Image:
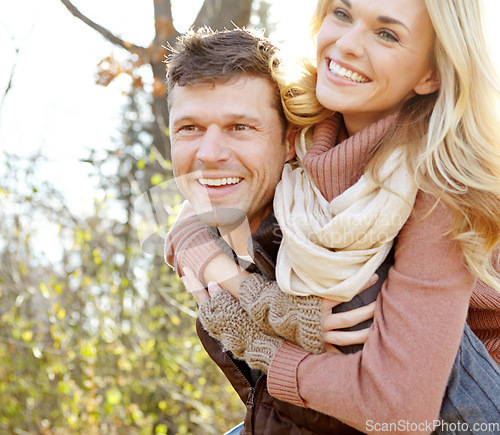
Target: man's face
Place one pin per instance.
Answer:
(228, 149)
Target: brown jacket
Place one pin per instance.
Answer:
(267, 415)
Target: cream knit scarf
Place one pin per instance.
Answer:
(332, 249)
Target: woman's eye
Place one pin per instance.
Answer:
(341, 15)
(388, 36)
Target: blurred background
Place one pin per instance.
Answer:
(97, 335)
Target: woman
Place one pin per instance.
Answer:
(381, 64)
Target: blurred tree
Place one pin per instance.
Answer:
(95, 336)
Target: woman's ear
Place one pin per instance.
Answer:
(429, 83)
(291, 132)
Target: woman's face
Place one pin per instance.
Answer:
(372, 56)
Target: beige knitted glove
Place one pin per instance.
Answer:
(295, 318)
(225, 320)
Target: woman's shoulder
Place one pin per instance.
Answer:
(429, 207)
(423, 246)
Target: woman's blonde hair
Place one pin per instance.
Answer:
(451, 137)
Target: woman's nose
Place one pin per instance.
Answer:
(352, 41)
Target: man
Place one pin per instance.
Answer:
(228, 135)
(228, 130)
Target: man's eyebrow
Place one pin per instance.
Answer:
(241, 117)
(182, 119)
(230, 117)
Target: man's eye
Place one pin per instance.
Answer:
(241, 127)
(187, 128)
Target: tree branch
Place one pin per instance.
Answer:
(224, 14)
(17, 49)
(164, 23)
(104, 32)
(9, 84)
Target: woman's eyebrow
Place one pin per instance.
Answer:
(389, 20)
(382, 18)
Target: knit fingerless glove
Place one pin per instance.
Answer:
(225, 320)
(189, 244)
(295, 318)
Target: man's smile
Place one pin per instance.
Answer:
(219, 181)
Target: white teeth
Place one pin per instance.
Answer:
(346, 74)
(219, 181)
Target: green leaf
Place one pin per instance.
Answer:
(161, 429)
(113, 396)
(156, 179)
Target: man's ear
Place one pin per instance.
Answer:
(430, 83)
(291, 132)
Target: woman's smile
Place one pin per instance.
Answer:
(345, 73)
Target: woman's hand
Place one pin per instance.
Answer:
(295, 318)
(224, 319)
(334, 323)
(330, 322)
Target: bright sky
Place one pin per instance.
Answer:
(54, 104)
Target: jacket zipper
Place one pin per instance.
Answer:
(250, 404)
(253, 393)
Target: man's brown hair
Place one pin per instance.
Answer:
(207, 56)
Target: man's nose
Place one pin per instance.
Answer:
(352, 41)
(212, 147)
